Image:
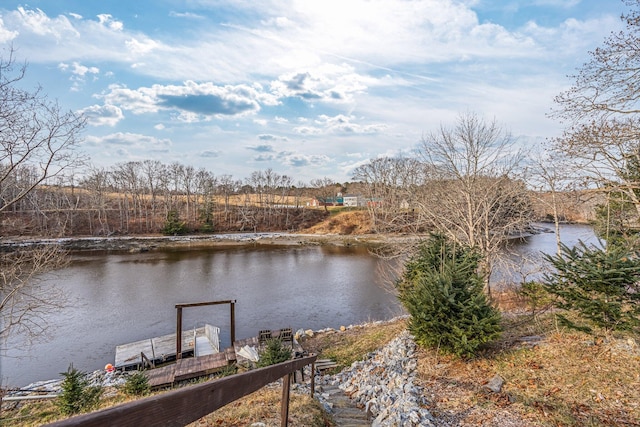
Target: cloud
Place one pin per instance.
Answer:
(108, 21)
(301, 160)
(264, 148)
(129, 140)
(187, 15)
(343, 124)
(210, 153)
(269, 137)
(102, 115)
(5, 34)
(328, 83)
(195, 101)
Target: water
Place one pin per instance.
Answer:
(127, 297)
(120, 298)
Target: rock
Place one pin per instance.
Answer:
(384, 384)
(495, 384)
(343, 328)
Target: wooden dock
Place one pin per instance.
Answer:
(188, 368)
(202, 340)
(193, 367)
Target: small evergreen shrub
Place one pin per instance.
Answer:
(137, 384)
(274, 352)
(601, 286)
(77, 395)
(535, 296)
(173, 226)
(443, 293)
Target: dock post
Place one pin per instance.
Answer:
(233, 321)
(178, 332)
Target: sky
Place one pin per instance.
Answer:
(307, 88)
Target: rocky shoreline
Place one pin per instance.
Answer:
(149, 243)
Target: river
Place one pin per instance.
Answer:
(120, 298)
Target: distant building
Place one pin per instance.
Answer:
(352, 200)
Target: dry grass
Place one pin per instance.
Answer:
(345, 347)
(343, 222)
(569, 379)
(264, 406)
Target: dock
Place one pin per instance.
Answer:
(199, 341)
(197, 364)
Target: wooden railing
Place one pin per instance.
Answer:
(186, 405)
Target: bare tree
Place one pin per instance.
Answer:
(473, 194)
(324, 190)
(602, 113)
(392, 188)
(35, 135)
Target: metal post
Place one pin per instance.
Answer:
(179, 333)
(284, 405)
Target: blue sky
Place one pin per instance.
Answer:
(307, 88)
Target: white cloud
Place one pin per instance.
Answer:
(102, 115)
(132, 141)
(5, 34)
(108, 21)
(193, 101)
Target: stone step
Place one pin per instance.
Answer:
(345, 412)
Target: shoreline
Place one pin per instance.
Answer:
(150, 243)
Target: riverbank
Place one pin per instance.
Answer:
(150, 243)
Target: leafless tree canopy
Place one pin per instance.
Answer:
(601, 112)
(464, 182)
(36, 144)
(474, 194)
(36, 137)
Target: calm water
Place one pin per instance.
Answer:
(128, 297)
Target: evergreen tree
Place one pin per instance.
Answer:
(600, 285)
(77, 395)
(443, 292)
(173, 225)
(274, 352)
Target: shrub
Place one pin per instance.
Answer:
(535, 297)
(600, 285)
(173, 226)
(443, 293)
(274, 352)
(77, 395)
(136, 384)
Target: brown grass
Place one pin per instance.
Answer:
(569, 379)
(264, 406)
(343, 222)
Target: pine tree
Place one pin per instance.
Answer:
(443, 293)
(600, 285)
(77, 395)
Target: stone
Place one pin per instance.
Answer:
(495, 384)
